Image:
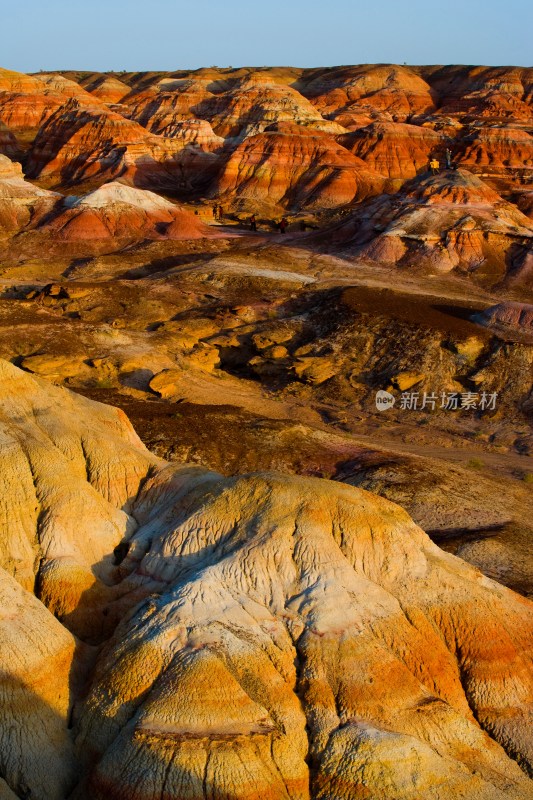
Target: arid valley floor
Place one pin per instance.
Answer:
(225, 573)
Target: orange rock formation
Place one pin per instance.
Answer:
(274, 637)
(119, 212)
(451, 221)
(205, 132)
(297, 167)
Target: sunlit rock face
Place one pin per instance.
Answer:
(91, 144)
(497, 149)
(199, 133)
(37, 672)
(451, 221)
(393, 92)
(493, 93)
(296, 166)
(63, 516)
(246, 107)
(161, 105)
(79, 143)
(116, 211)
(27, 101)
(215, 629)
(108, 89)
(264, 635)
(396, 150)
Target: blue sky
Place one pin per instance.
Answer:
(174, 34)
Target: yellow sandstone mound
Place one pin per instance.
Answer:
(271, 636)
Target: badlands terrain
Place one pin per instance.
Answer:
(262, 585)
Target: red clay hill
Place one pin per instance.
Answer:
(206, 131)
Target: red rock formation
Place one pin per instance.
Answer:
(25, 113)
(493, 93)
(197, 132)
(246, 107)
(193, 121)
(258, 102)
(18, 82)
(440, 223)
(26, 101)
(82, 144)
(108, 89)
(79, 143)
(170, 114)
(119, 212)
(386, 92)
(58, 84)
(457, 187)
(494, 150)
(161, 106)
(294, 166)
(508, 314)
(393, 149)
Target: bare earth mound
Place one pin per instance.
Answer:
(277, 637)
(439, 224)
(116, 211)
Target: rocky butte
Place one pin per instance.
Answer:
(225, 573)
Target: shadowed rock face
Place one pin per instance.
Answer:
(275, 637)
(8, 142)
(525, 203)
(22, 205)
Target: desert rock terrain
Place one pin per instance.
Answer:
(226, 571)
(169, 631)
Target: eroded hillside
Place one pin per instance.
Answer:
(246, 262)
(170, 632)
